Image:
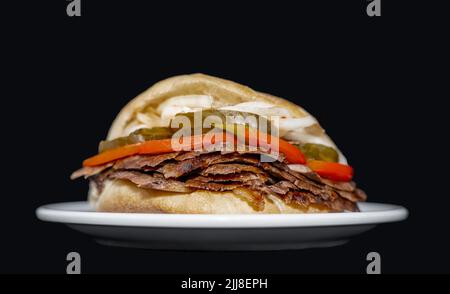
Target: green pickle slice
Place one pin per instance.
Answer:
(140, 135)
(217, 118)
(237, 117)
(318, 152)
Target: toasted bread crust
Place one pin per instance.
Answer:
(123, 196)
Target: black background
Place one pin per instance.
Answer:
(377, 85)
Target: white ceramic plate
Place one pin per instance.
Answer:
(220, 232)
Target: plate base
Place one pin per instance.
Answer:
(245, 239)
(235, 247)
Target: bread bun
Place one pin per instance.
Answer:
(123, 196)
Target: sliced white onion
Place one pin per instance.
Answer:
(278, 202)
(260, 108)
(185, 103)
(192, 101)
(301, 168)
(147, 119)
(302, 136)
(295, 123)
(342, 158)
(132, 128)
(169, 112)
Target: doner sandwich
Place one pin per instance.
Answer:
(200, 144)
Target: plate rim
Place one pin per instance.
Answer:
(54, 213)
